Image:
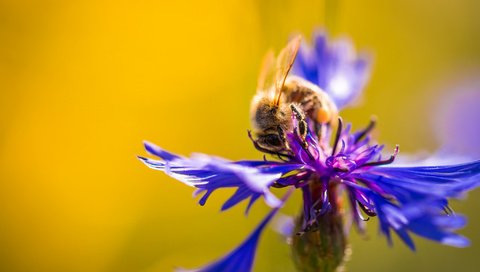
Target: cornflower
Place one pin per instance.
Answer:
(339, 165)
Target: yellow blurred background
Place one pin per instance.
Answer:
(82, 83)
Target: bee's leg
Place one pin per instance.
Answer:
(284, 157)
(302, 129)
(302, 124)
(448, 210)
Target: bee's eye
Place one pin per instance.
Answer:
(273, 140)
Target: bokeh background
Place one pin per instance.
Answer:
(83, 83)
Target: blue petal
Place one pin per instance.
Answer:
(417, 183)
(241, 194)
(459, 171)
(159, 152)
(334, 67)
(434, 228)
(424, 218)
(207, 173)
(241, 258)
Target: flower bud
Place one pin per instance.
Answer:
(323, 247)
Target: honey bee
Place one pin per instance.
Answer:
(279, 96)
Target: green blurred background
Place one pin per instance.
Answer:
(82, 83)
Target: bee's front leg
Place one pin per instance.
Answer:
(302, 128)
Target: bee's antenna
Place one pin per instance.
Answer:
(277, 101)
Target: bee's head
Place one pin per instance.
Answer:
(269, 122)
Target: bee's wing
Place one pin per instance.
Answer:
(266, 77)
(284, 63)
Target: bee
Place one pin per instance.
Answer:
(280, 96)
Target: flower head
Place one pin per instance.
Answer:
(405, 199)
(337, 164)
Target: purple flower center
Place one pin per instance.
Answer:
(349, 153)
(329, 166)
(340, 164)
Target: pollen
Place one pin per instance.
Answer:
(323, 116)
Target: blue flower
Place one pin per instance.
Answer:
(404, 199)
(334, 67)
